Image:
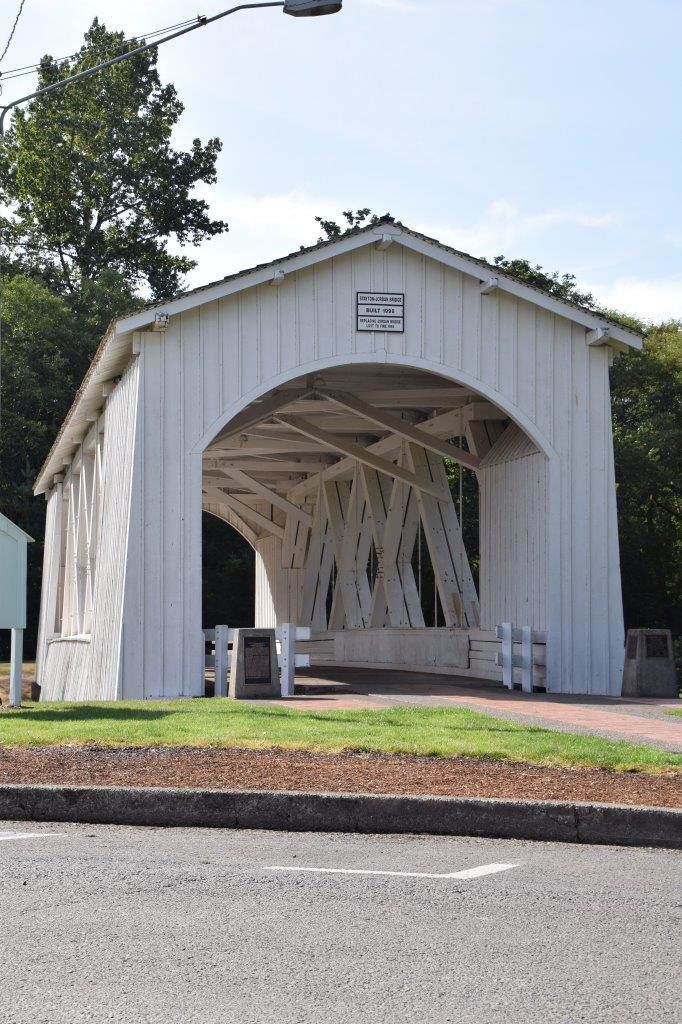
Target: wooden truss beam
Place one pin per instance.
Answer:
(273, 466)
(402, 398)
(444, 425)
(267, 446)
(295, 543)
(401, 428)
(481, 435)
(256, 487)
(351, 598)
(338, 421)
(213, 494)
(455, 583)
(394, 522)
(364, 456)
(260, 410)
(318, 571)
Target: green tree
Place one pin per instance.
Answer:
(42, 364)
(95, 198)
(93, 182)
(353, 218)
(563, 286)
(647, 430)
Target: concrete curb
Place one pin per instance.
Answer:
(345, 812)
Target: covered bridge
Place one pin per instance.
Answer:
(317, 405)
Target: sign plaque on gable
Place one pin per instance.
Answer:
(381, 311)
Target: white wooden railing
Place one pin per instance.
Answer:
(222, 637)
(507, 660)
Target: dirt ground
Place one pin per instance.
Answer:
(359, 773)
(28, 675)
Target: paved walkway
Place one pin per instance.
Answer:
(619, 718)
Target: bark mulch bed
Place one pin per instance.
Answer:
(218, 768)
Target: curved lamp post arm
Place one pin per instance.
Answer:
(297, 8)
(201, 22)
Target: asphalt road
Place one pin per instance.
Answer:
(105, 923)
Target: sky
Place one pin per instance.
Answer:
(529, 128)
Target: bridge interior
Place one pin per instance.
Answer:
(350, 486)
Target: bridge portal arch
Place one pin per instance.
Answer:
(178, 392)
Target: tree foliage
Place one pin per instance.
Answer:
(353, 218)
(42, 366)
(93, 181)
(93, 194)
(563, 286)
(647, 434)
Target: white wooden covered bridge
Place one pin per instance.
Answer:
(311, 403)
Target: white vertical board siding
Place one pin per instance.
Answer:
(213, 361)
(265, 614)
(278, 589)
(513, 531)
(66, 670)
(50, 581)
(162, 621)
(119, 449)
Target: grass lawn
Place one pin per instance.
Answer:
(440, 732)
(677, 712)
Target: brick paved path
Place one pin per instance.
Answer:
(615, 718)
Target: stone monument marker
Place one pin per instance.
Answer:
(649, 669)
(254, 671)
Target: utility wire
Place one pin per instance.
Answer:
(2, 57)
(14, 28)
(31, 69)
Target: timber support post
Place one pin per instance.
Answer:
(287, 633)
(17, 657)
(222, 660)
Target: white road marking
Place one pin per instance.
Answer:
(28, 835)
(485, 869)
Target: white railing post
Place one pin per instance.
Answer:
(505, 633)
(222, 637)
(526, 659)
(16, 664)
(508, 661)
(287, 633)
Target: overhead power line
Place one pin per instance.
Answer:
(30, 69)
(14, 28)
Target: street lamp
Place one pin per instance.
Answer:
(296, 8)
(310, 8)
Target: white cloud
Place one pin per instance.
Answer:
(262, 228)
(648, 298)
(504, 226)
